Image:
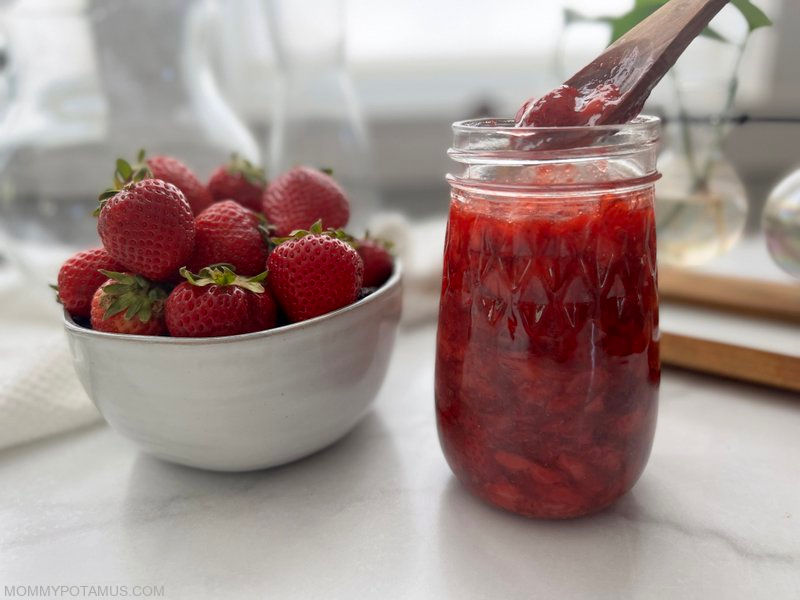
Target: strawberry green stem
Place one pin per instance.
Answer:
(222, 274)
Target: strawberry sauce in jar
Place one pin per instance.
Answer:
(547, 366)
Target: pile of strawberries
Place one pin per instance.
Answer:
(237, 255)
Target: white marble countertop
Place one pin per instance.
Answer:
(715, 515)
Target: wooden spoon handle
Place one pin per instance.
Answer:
(638, 60)
(670, 30)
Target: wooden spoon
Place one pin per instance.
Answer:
(638, 60)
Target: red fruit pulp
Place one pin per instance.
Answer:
(567, 106)
(547, 364)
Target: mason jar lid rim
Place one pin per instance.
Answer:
(640, 123)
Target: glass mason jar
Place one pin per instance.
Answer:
(547, 364)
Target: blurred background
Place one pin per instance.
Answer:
(369, 88)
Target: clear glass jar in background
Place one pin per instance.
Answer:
(781, 223)
(547, 364)
(89, 82)
(317, 119)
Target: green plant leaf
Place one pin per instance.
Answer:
(620, 25)
(713, 34)
(625, 22)
(754, 16)
(573, 16)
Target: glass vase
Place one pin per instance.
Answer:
(90, 82)
(781, 223)
(701, 203)
(317, 120)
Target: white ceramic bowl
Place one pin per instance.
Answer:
(242, 402)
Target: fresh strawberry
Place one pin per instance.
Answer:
(239, 180)
(226, 232)
(218, 302)
(302, 196)
(378, 261)
(169, 170)
(79, 278)
(313, 273)
(182, 177)
(147, 226)
(128, 303)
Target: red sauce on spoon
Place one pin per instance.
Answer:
(567, 106)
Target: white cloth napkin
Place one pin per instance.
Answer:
(40, 395)
(419, 246)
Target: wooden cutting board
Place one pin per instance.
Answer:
(740, 328)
